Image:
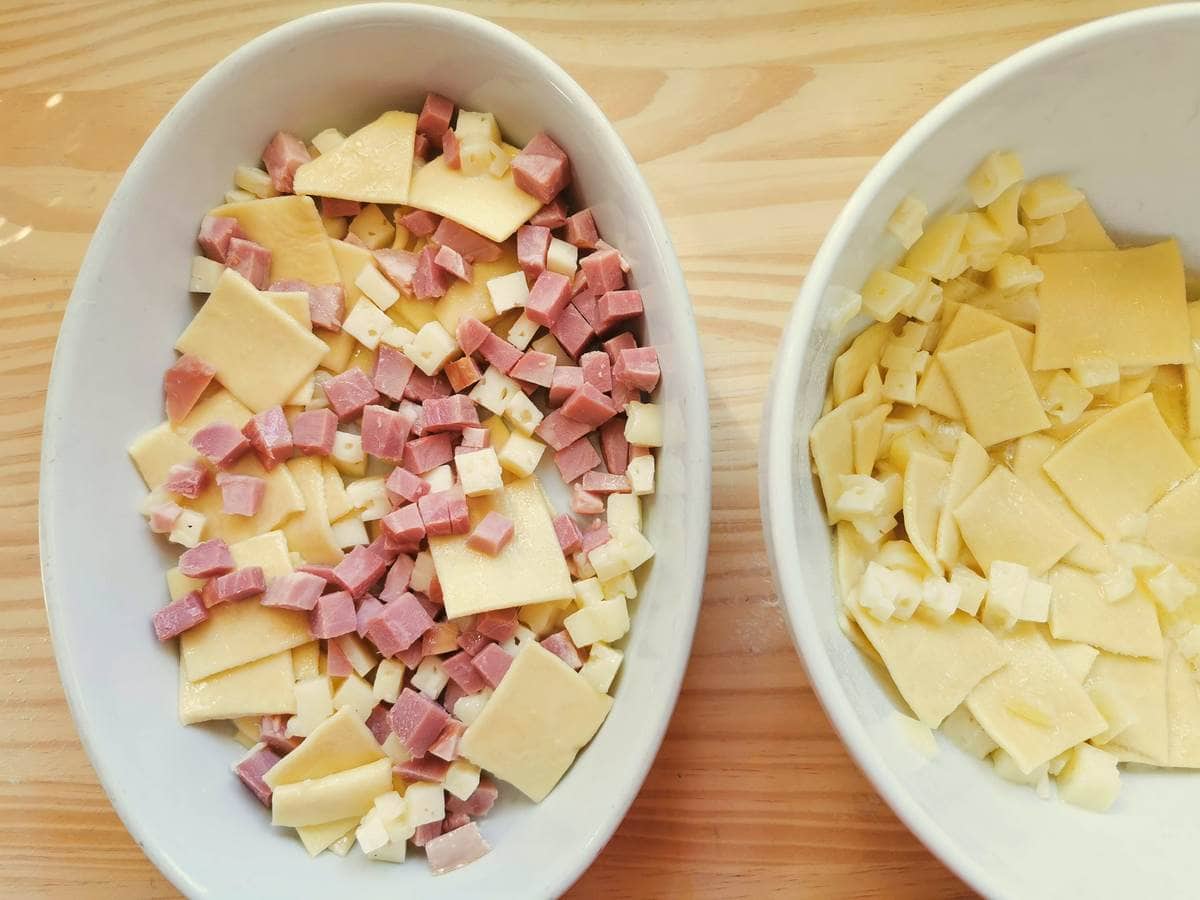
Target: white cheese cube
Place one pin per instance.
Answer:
(522, 414)
(1065, 399)
(493, 390)
(1096, 371)
(844, 304)
(520, 454)
(238, 196)
(900, 386)
(500, 162)
(188, 529)
(367, 324)
(607, 621)
(973, 587)
(461, 779)
(1013, 272)
(388, 678)
(1117, 584)
(329, 139)
(885, 293)
(519, 638)
(874, 528)
(966, 733)
(939, 598)
(877, 591)
(347, 450)
(349, 532)
(582, 568)
(588, 592)
(995, 175)
(422, 573)
(432, 348)
(601, 667)
(861, 495)
(319, 400)
(907, 221)
(621, 586)
(395, 749)
(640, 473)
(376, 288)
(1090, 779)
(314, 704)
(481, 126)
(1137, 556)
(369, 496)
(357, 695)
(523, 330)
(1170, 588)
(467, 709)
(205, 273)
(909, 593)
(1007, 583)
(439, 478)
(430, 678)
(395, 851)
(389, 807)
(371, 835)
(928, 302)
(479, 472)
(608, 561)
(425, 803)
(643, 424)
(398, 337)
(1036, 605)
(508, 292)
(562, 257)
(254, 181)
(475, 157)
(362, 655)
(624, 511)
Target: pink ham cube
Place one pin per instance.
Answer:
(451, 150)
(542, 169)
(295, 590)
(435, 116)
(176, 618)
(462, 373)
(566, 380)
(215, 234)
(535, 367)
(404, 524)
(473, 641)
(349, 393)
(533, 243)
(314, 431)
(452, 262)
(321, 571)
(613, 446)
(597, 370)
(400, 625)
(251, 770)
(638, 368)
(596, 536)
(427, 453)
(337, 664)
(398, 578)
(453, 413)
(368, 609)
(241, 495)
(386, 549)
(456, 848)
(270, 437)
(183, 384)
(615, 307)
(378, 723)
(187, 479)
(604, 272)
(240, 584)
(589, 406)
(207, 560)
(492, 534)
(604, 483)
(403, 485)
(479, 803)
(473, 247)
(568, 534)
(460, 514)
(417, 721)
(462, 673)
(282, 157)
(392, 372)
(336, 208)
(585, 503)
(435, 513)
(584, 302)
(429, 280)
(384, 432)
(549, 296)
(421, 386)
(420, 223)
(411, 658)
(332, 616)
(581, 230)
(424, 768)
(358, 570)
(446, 746)
(430, 830)
(471, 333)
(572, 330)
(250, 260)
(163, 517)
(221, 444)
(498, 624)
(326, 302)
(560, 645)
(576, 459)
(552, 215)
(499, 353)
(622, 395)
(492, 662)
(559, 431)
(614, 345)
(398, 267)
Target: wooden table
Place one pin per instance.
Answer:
(753, 122)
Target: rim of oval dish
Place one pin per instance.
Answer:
(555, 880)
(779, 437)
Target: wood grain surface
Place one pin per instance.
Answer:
(753, 121)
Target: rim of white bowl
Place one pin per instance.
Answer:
(779, 435)
(699, 482)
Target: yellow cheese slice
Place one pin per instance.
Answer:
(494, 207)
(924, 482)
(1033, 678)
(1173, 527)
(281, 499)
(933, 665)
(373, 165)
(1127, 305)
(530, 568)
(993, 388)
(831, 442)
(968, 469)
(971, 324)
(219, 406)
(536, 722)
(337, 502)
(1191, 394)
(851, 554)
(261, 355)
(471, 298)
(180, 585)
(1120, 465)
(155, 451)
(317, 838)
(414, 313)
(851, 367)
(867, 435)
(290, 227)
(934, 392)
(1003, 520)
(1084, 232)
(260, 688)
(1183, 714)
(1076, 658)
(339, 743)
(294, 303)
(1142, 685)
(1079, 612)
(308, 532)
(337, 796)
(1029, 455)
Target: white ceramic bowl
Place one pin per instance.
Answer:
(1114, 105)
(102, 570)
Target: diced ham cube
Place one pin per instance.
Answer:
(549, 296)
(430, 830)
(613, 446)
(597, 370)
(498, 624)
(473, 641)
(451, 149)
(314, 431)
(368, 609)
(453, 413)
(455, 820)
(594, 537)
(623, 394)
(424, 768)
(349, 393)
(492, 534)
(533, 243)
(326, 302)
(581, 230)
(585, 503)
(187, 479)
(421, 387)
(499, 353)
(572, 330)
(589, 406)
(585, 304)
(560, 645)
(420, 223)
(282, 157)
(552, 215)
(358, 570)
(462, 373)
(384, 432)
(614, 345)
(400, 625)
(411, 658)
(240, 584)
(398, 266)
(435, 116)
(404, 485)
(441, 638)
(404, 524)
(392, 372)
(270, 437)
(215, 234)
(429, 280)
(446, 746)
(272, 731)
(250, 260)
(423, 146)
(460, 513)
(566, 380)
(337, 664)
(604, 483)
(604, 245)
(479, 803)
(321, 571)
(452, 262)
(221, 444)
(295, 590)
(207, 560)
(638, 368)
(435, 513)
(183, 384)
(462, 673)
(386, 549)
(615, 307)
(576, 459)
(417, 721)
(541, 169)
(332, 616)
(336, 208)
(163, 517)
(471, 333)
(603, 271)
(559, 431)
(241, 495)
(535, 367)
(456, 848)
(492, 662)
(176, 618)
(377, 721)
(428, 453)
(473, 247)
(399, 577)
(568, 534)
(251, 770)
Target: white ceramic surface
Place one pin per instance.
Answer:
(1114, 105)
(103, 571)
